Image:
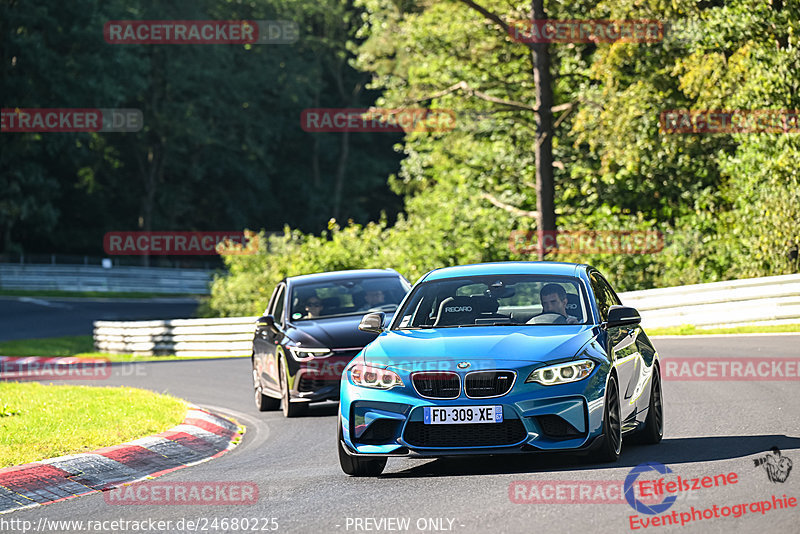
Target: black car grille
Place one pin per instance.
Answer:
(308, 383)
(437, 385)
(346, 353)
(556, 427)
(488, 383)
(509, 432)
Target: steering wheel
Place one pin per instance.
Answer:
(383, 308)
(548, 318)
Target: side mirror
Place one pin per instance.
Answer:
(622, 316)
(372, 322)
(268, 321)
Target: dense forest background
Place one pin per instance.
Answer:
(222, 146)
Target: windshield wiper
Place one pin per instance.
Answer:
(489, 324)
(426, 326)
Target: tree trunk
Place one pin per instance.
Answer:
(341, 172)
(543, 151)
(315, 172)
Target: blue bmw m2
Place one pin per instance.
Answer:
(500, 358)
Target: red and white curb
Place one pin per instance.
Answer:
(201, 437)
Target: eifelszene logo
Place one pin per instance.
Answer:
(630, 496)
(777, 466)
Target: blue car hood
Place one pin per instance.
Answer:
(484, 347)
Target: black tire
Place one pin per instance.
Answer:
(653, 429)
(264, 403)
(355, 466)
(290, 409)
(611, 443)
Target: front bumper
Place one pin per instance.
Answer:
(566, 417)
(318, 379)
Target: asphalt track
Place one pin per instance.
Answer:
(37, 317)
(712, 428)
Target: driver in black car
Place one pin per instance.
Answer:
(373, 298)
(313, 307)
(554, 300)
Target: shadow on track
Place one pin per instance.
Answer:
(669, 451)
(323, 409)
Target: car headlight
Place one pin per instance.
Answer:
(561, 373)
(306, 354)
(373, 377)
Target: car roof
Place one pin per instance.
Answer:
(508, 267)
(343, 275)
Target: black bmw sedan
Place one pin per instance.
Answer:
(309, 332)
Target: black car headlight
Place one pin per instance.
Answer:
(305, 354)
(561, 373)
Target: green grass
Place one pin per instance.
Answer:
(43, 421)
(691, 330)
(89, 294)
(78, 346)
(49, 346)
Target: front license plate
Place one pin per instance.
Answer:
(463, 414)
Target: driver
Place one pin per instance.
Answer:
(373, 298)
(554, 300)
(313, 307)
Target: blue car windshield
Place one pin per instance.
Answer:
(495, 300)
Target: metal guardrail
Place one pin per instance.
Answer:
(232, 336)
(97, 278)
(771, 300)
(759, 301)
(165, 262)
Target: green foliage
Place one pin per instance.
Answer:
(727, 204)
(246, 289)
(221, 148)
(7, 410)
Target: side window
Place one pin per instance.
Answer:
(601, 295)
(271, 303)
(612, 296)
(277, 310)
